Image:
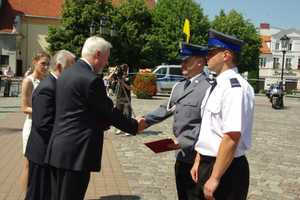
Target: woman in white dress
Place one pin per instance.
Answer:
(40, 61)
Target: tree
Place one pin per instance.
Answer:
(235, 25)
(167, 30)
(133, 19)
(77, 15)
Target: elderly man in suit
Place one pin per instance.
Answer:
(185, 104)
(82, 108)
(43, 115)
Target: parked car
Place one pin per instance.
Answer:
(167, 76)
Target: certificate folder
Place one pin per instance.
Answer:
(158, 146)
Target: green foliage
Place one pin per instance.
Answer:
(133, 19)
(255, 84)
(148, 37)
(77, 15)
(234, 24)
(263, 91)
(289, 92)
(167, 30)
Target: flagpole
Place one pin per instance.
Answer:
(186, 28)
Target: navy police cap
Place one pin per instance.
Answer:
(188, 50)
(218, 40)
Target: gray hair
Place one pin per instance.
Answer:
(94, 43)
(60, 57)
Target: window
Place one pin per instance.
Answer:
(161, 73)
(298, 63)
(175, 71)
(288, 63)
(277, 46)
(289, 47)
(275, 63)
(4, 60)
(262, 62)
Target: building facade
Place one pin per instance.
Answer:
(23, 29)
(271, 58)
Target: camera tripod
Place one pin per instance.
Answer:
(120, 86)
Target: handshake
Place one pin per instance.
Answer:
(142, 123)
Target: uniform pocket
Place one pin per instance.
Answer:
(190, 107)
(214, 107)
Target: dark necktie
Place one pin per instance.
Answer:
(187, 82)
(213, 86)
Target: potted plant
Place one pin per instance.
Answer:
(144, 85)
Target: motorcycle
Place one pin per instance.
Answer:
(276, 98)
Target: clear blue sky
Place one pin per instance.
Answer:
(282, 14)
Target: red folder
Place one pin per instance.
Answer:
(160, 145)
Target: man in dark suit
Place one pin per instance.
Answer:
(185, 105)
(43, 115)
(82, 108)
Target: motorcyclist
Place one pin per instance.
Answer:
(277, 91)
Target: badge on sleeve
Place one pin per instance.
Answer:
(234, 82)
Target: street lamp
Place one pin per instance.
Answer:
(284, 42)
(113, 30)
(92, 29)
(103, 28)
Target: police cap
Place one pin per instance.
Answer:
(188, 50)
(218, 40)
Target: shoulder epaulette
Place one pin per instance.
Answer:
(234, 82)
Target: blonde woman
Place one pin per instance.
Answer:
(40, 61)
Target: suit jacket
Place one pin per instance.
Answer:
(43, 114)
(82, 107)
(187, 115)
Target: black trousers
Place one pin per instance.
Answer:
(66, 184)
(7, 84)
(234, 183)
(184, 182)
(39, 187)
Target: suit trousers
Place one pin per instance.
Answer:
(38, 182)
(66, 184)
(234, 183)
(184, 182)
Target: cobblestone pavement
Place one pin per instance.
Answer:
(274, 157)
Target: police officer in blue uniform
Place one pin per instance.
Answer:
(221, 168)
(184, 104)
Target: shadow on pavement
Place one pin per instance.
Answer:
(11, 107)
(118, 197)
(10, 130)
(150, 132)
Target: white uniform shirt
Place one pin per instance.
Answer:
(230, 107)
(6, 72)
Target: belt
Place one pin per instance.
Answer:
(207, 158)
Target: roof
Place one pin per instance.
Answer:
(265, 49)
(39, 8)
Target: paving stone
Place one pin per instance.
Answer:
(135, 172)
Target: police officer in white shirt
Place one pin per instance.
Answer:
(221, 169)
